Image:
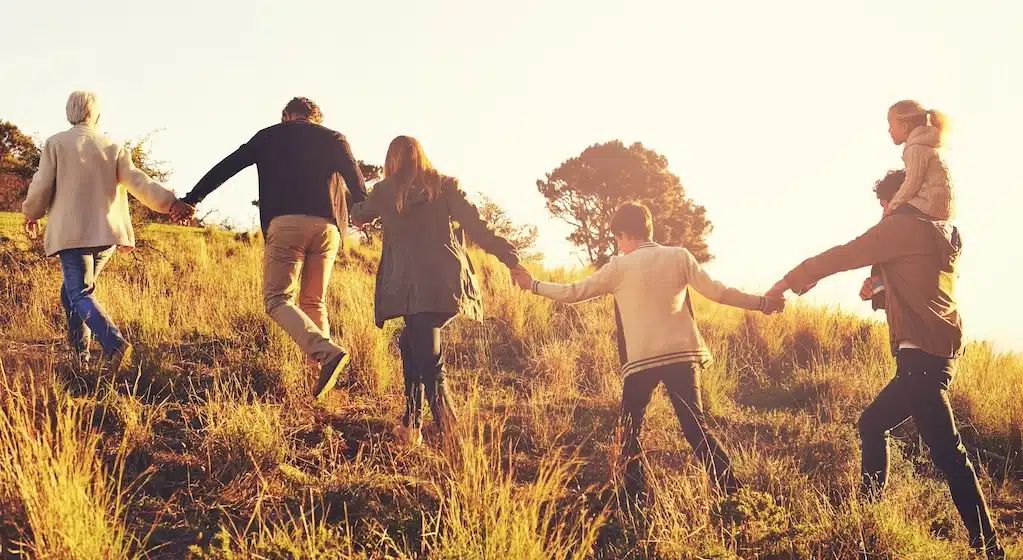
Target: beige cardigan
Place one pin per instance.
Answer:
(82, 182)
(927, 186)
(650, 286)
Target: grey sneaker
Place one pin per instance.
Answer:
(329, 374)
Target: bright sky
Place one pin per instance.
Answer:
(772, 114)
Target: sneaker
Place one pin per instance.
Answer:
(329, 374)
(120, 359)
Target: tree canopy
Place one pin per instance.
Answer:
(19, 159)
(523, 237)
(585, 191)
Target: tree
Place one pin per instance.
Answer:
(19, 159)
(522, 237)
(142, 157)
(586, 190)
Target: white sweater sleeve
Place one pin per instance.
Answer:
(604, 281)
(44, 182)
(698, 278)
(141, 186)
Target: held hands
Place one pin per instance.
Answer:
(522, 278)
(773, 305)
(776, 295)
(778, 290)
(181, 212)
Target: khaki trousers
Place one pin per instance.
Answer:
(297, 261)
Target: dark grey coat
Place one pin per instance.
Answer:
(424, 266)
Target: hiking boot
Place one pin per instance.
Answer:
(120, 359)
(329, 374)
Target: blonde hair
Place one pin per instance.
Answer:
(914, 115)
(406, 163)
(82, 108)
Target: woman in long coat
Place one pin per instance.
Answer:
(425, 275)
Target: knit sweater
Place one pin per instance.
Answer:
(927, 186)
(83, 183)
(650, 287)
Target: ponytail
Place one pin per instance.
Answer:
(913, 114)
(937, 119)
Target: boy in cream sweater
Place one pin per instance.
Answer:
(662, 344)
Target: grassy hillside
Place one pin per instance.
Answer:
(212, 449)
(10, 222)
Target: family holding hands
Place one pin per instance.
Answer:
(310, 188)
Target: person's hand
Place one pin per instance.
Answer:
(522, 278)
(181, 212)
(778, 290)
(804, 289)
(32, 228)
(773, 305)
(867, 290)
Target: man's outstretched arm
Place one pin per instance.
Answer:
(227, 168)
(879, 244)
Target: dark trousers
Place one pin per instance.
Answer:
(683, 384)
(423, 365)
(920, 391)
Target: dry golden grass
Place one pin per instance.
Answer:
(213, 450)
(52, 479)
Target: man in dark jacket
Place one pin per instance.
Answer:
(307, 180)
(918, 261)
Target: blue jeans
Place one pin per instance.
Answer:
(85, 316)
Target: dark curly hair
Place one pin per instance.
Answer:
(303, 107)
(886, 187)
(633, 219)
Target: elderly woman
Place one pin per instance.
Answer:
(82, 183)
